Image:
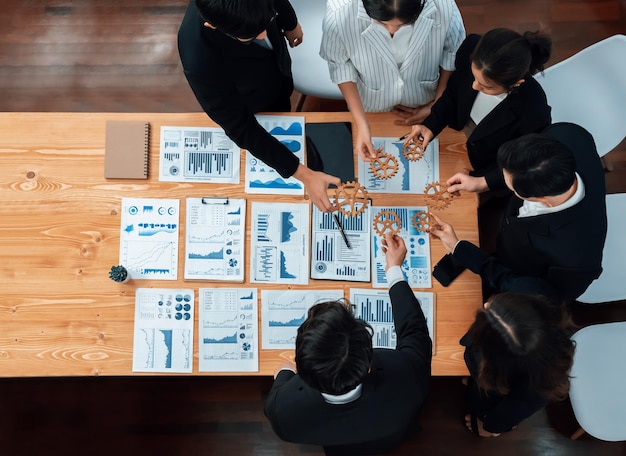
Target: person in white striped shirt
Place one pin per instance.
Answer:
(390, 55)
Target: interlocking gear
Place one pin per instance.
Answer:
(413, 151)
(387, 221)
(350, 199)
(384, 166)
(437, 197)
(421, 221)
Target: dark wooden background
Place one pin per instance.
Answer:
(121, 56)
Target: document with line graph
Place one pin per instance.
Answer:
(279, 244)
(198, 154)
(228, 330)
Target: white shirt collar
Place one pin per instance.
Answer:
(346, 398)
(532, 208)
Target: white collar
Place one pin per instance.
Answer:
(345, 398)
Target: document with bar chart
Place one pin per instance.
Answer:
(374, 306)
(260, 178)
(283, 311)
(410, 176)
(163, 336)
(149, 238)
(198, 154)
(228, 330)
(416, 266)
(279, 243)
(334, 259)
(215, 239)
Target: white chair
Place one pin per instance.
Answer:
(598, 386)
(310, 71)
(611, 285)
(589, 89)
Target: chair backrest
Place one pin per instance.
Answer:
(310, 71)
(611, 285)
(589, 89)
(597, 385)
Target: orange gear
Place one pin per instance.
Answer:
(387, 221)
(384, 166)
(350, 199)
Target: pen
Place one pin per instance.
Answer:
(402, 138)
(343, 233)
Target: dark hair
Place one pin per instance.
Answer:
(539, 165)
(523, 340)
(238, 18)
(504, 56)
(333, 348)
(385, 10)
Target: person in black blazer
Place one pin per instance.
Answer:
(344, 395)
(237, 64)
(493, 97)
(555, 225)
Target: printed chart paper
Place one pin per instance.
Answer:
(283, 311)
(279, 244)
(215, 239)
(261, 178)
(411, 176)
(149, 238)
(198, 154)
(163, 339)
(416, 266)
(229, 333)
(330, 256)
(374, 306)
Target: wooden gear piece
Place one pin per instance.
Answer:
(384, 166)
(421, 221)
(387, 221)
(437, 197)
(413, 151)
(350, 199)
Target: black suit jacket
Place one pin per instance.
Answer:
(232, 81)
(565, 247)
(392, 393)
(524, 110)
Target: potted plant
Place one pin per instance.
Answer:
(119, 274)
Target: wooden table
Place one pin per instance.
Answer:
(59, 234)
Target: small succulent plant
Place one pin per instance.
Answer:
(118, 273)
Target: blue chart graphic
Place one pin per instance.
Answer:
(224, 340)
(236, 212)
(376, 312)
(221, 320)
(246, 306)
(294, 129)
(250, 296)
(262, 225)
(326, 222)
(159, 348)
(284, 274)
(295, 304)
(279, 182)
(148, 257)
(266, 263)
(293, 322)
(324, 248)
(219, 164)
(374, 183)
(215, 255)
(150, 229)
(286, 226)
(406, 175)
(384, 337)
(292, 145)
(346, 271)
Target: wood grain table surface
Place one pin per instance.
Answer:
(59, 234)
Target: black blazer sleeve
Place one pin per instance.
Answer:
(413, 339)
(269, 409)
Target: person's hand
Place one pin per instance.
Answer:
(444, 232)
(419, 134)
(316, 185)
(462, 181)
(285, 365)
(294, 37)
(395, 250)
(411, 116)
(364, 146)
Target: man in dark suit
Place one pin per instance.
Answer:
(236, 61)
(344, 395)
(556, 226)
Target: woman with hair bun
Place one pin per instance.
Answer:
(519, 355)
(493, 97)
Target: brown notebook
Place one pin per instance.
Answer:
(126, 150)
